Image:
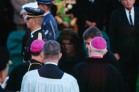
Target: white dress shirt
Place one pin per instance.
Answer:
(34, 32)
(132, 15)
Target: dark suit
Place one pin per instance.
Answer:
(15, 78)
(93, 11)
(50, 71)
(2, 90)
(125, 41)
(5, 90)
(49, 27)
(86, 10)
(110, 58)
(137, 3)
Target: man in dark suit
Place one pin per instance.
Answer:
(49, 25)
(33, 21)
(124, 35)
(49, 78)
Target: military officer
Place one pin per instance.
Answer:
(33, 21)
(49, 25)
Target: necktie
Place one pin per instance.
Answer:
(130, 19)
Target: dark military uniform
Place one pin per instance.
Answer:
(29, 38)
(26, 49)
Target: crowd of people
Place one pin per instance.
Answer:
(69, 45)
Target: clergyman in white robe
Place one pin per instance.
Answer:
(33, 82)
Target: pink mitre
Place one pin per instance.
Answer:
(37, 45)
(98, 43)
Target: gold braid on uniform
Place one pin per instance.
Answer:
(30, 64)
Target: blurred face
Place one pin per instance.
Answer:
(29, 22)
(87, 44)
(3, 74)
(24, 15)
(40, 6)
(128, 4)
(68, 47)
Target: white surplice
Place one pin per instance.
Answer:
(32, 82)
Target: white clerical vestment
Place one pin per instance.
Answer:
(33, 82)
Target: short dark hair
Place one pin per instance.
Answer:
(91, 32)
(68, 35)
(36, 53)
(51, 48)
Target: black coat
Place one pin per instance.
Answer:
(110, 59)
(97, 12)
(94, 75)
(5, 90)
(137, 3)
(66, 63)
(15, 78)
(2, 90)
(124, 38)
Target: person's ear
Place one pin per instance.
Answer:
(60, 55)
(42, 56)
(1, 74)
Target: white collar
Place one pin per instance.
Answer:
(132, 10)
(46, 13)
(132, 14)
(51, 63)
(34, 31)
